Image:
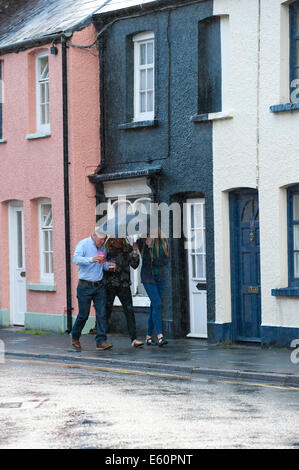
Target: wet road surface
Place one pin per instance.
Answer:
(49, 406)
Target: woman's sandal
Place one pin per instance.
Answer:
(150, 342)
(162, 341)
(136, 343)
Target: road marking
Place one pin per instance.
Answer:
(281, 387)
(156, 374)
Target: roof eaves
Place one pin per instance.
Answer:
(45, 39)
(29, 43)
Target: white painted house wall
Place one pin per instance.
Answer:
(256, 148)
(279, 163)
(234, 140)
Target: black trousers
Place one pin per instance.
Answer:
(125, 296)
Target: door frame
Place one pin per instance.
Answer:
(202, 281)
(234, 260)
(13, 205)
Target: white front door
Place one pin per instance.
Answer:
(17, 264)
(197, 268)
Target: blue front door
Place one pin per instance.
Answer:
(245, 264)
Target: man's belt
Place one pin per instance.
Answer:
(92, 283)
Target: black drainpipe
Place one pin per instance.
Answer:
(102, 107)
(66, 186)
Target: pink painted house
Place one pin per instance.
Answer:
(49, 144)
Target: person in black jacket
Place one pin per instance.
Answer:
(155, 256)
(118, 282)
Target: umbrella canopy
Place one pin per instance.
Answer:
(126, 225)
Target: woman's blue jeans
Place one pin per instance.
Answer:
(154, 291)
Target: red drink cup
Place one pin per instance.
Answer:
(102, 255)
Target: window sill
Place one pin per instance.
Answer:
(212, 116)
(281, 108)
(41, 287)
(286, 292)
(139, 124)
(138, 301)
(38, 135)
(3, 141)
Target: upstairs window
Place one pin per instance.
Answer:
(294, 45)
(42, 93)
(46, 245)
(293, 238)
(144, 76)
(209, 66)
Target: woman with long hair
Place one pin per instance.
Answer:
(117, 281)
(155, 256)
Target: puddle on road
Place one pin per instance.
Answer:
(14, 341)
(24, 405)
(242, 363)
(11, 405)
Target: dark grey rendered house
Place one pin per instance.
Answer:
(160, 77)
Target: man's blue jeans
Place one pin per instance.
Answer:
(85, 294)
(154, 291)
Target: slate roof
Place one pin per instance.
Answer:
(22, 20)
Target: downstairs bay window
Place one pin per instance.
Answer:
(132, 206)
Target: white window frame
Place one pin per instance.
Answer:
(41, 127)
(47, 278)
(139, 40)
(194, 250)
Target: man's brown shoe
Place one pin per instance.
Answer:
(76, 344)
(102, 346)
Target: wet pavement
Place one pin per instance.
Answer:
(188, 355)
(46, 405)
